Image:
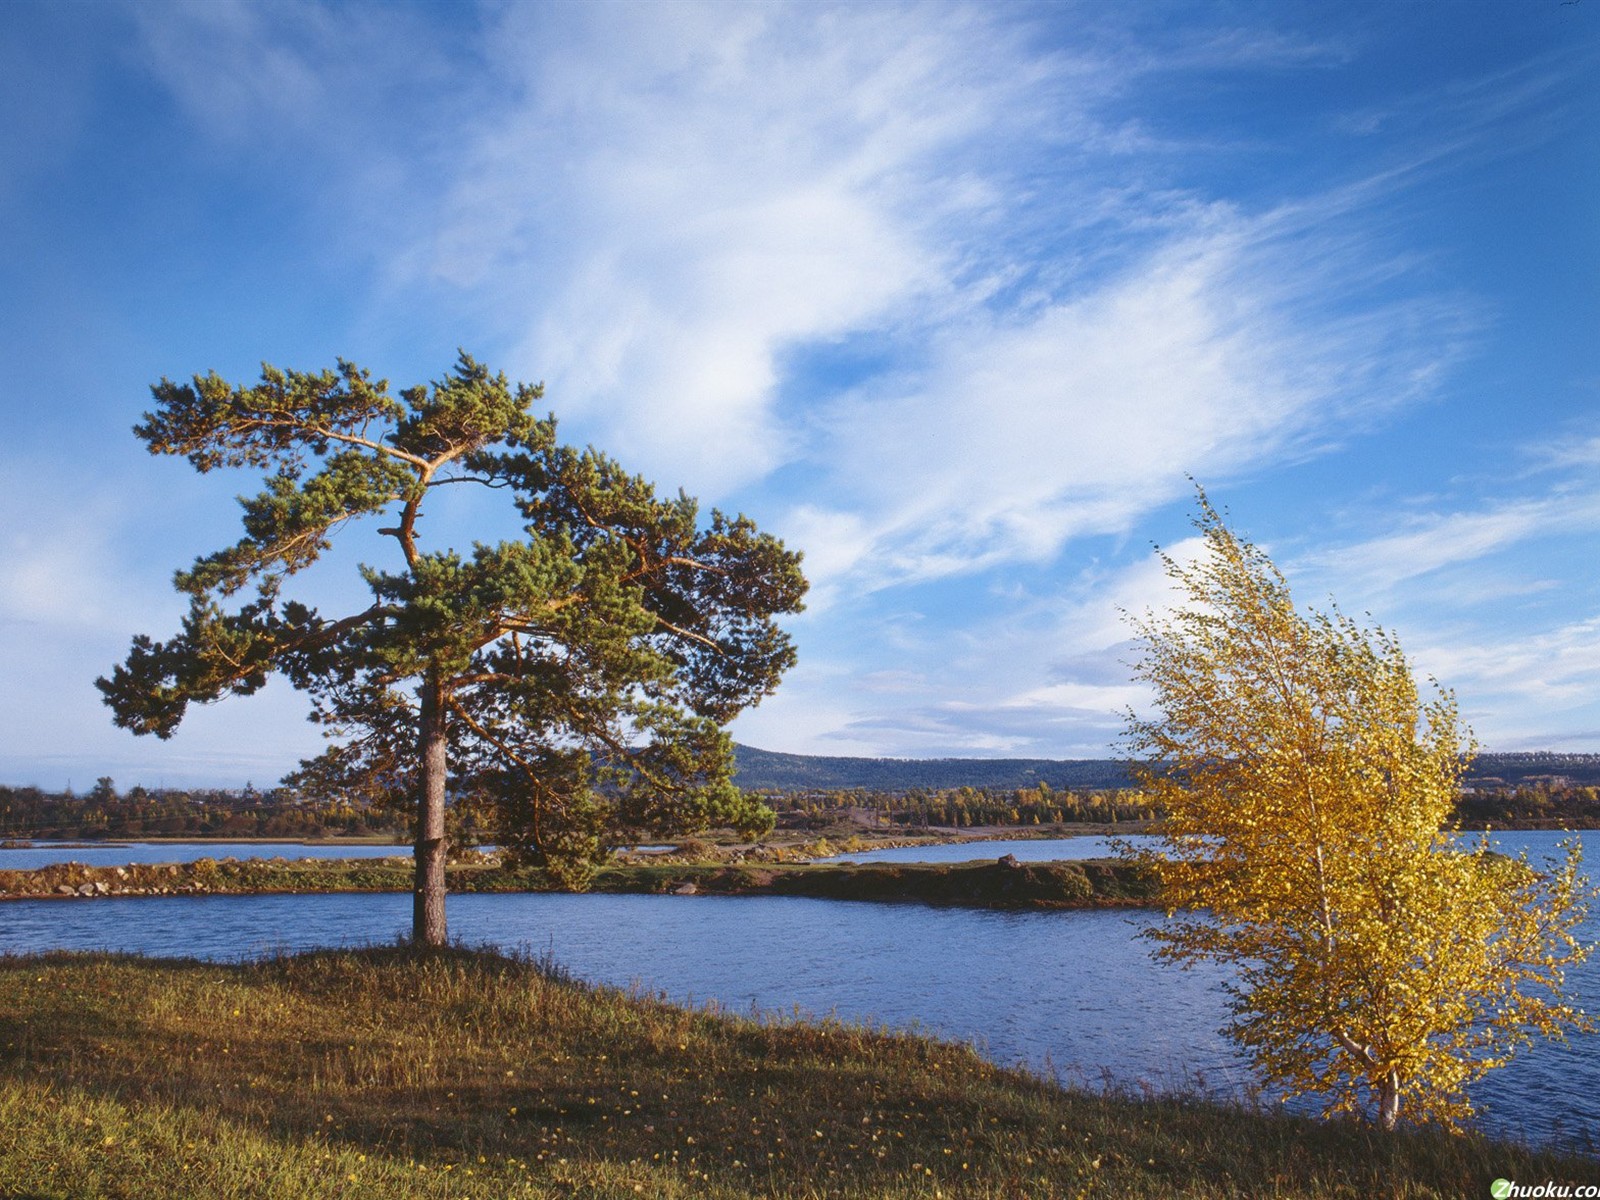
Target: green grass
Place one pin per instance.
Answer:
(390, 1073)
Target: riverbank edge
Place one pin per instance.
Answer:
(878, 838)
(474, 1074)
(1004, 883)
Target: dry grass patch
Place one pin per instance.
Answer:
(393, 1073)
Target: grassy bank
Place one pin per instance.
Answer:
(389, 1074)
(1094, 883)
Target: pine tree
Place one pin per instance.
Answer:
(573, 684)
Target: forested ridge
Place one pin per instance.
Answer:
(1532, 790)
(767, 770)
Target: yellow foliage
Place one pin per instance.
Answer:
(1308, 789)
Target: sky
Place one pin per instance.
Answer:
(958, 299)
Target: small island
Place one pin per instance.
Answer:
(1003, 883)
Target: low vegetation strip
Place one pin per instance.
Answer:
(392, 1073)
(996, 884)
(1003, 884)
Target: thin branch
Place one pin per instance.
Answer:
(690, 634)
(463, 681)
(333, 435)
(479, 479)
(473, 724)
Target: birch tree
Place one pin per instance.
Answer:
(1307, 785)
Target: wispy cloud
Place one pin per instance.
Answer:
(656, 206)
(1028, 430)
(1519, 690)
(1494, 598)
(237, 69)
(1060, 327)
(680, 194)
(74, 590)
(1044, 674)
(937, 290)
(1434, 541)
(1576, 449)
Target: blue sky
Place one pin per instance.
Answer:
(953, 297)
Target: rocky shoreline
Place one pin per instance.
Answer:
(1005, 883)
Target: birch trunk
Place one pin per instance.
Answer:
(1389, 1101)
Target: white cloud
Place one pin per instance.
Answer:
(1574, 450)
(236, 68)
(1079, 418)
(61, 534)
(1520, 690)
(1493, 599)
(834, 544)
(1040, 675)
(75, 589)
(1435, 541)
(1561, 664)
(682, 194)
(659, 204)
(51, 582)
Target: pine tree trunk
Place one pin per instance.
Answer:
(427, 912)
(1389, 1101)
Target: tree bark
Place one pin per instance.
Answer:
(427, 900)
(1389, 1101)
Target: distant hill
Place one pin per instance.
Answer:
(1537, 766)
(768, 770)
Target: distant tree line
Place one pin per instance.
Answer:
(1531, 806)
(1548, 804)
(1549, 768)
(961, 807)
(768, 771)
(104, 812)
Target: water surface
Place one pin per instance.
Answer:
(1074, 993)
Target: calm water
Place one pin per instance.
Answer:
(1074, 993)
(117, 854)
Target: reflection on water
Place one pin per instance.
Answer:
(1074, 992)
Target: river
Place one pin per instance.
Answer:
(1074, 994)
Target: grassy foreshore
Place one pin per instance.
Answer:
(387, 1073)
(988, 884)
